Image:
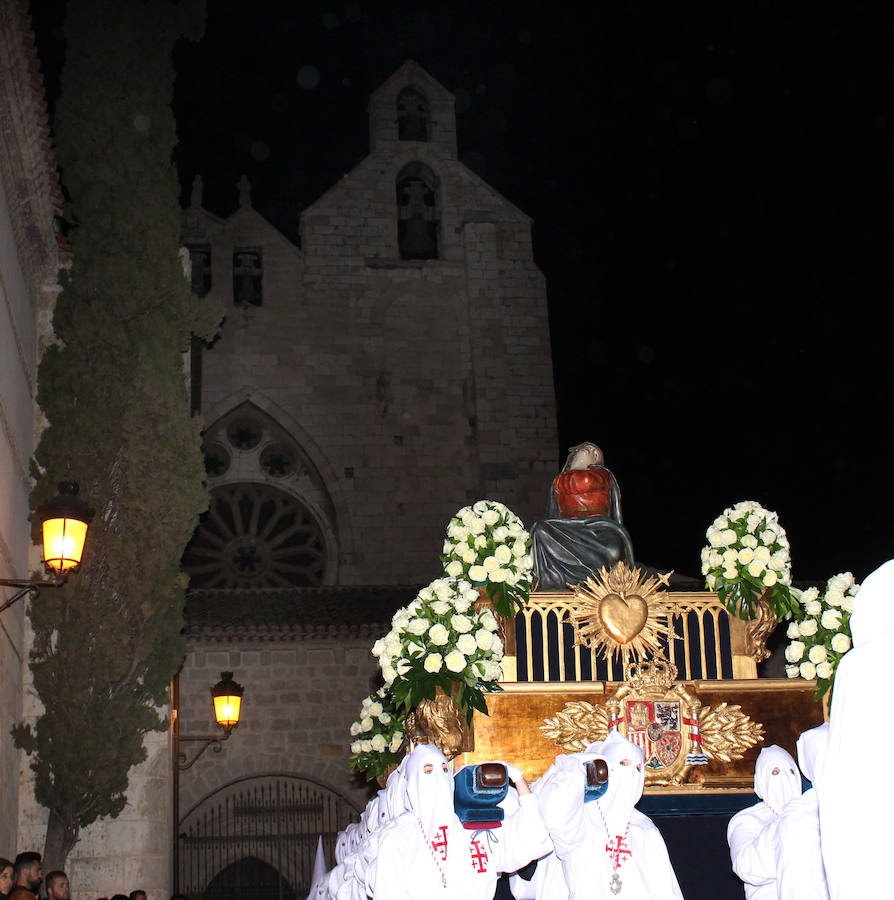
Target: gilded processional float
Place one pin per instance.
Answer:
(600, 643)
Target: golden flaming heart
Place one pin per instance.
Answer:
(623, 617)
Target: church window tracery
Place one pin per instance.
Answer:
(247, 277)
(413, 115)
(418, 212)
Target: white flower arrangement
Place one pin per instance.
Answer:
(747, 554)
(486, 544)
(440, 640)
(377, 735)
(821, 632)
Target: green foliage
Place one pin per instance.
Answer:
(113, 390)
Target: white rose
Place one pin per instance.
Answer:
(807, 670)
(730, 574)
(749, 540)
(355, 747)
(769, 578)
(480, 542)
(792, 671)
(824, 670)
(817, 654)
(477, 526)
(478, 573)
(518, 548)
(753, 521)
(455, 661)
(466, 644)
(460, 624)
(841, 582)
(841, 643)
(500, 534)
(768, 536)
(484, 639)
(375, 709)
(454, 568)
(834, 598)
(378, 743)
(378, 647)
(814, 608)
(355, 728)
(715, 559)
(385, 718)
(440, 607)
(729, 537)
(762, 554)
(720, 523)
(808, 596)
(480, 506)
(366, 724)
(415, 649)
(438, 635)
(491, 563)
(808, 627)
(778, 561)
(715, 538)
(756, 568)
(496, 646)
(403, 666)
(488, 621)
(795, 651)
(711, 581)
(498, 576)
(418, 626)
(433, 662)
(745, 555)
(792, 631)
(396, 740)
(491, 517)
(831, 620)
(462, 604)
(503, 555)
(848, 603)
(388, 674)
(469, 555)
(366, 746)
(729, 556)
(493, 670)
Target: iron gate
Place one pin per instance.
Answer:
(256, 838)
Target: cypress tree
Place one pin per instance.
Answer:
(114, 394)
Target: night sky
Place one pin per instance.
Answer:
(711, 190)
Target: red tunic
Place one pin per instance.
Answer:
(584, 492)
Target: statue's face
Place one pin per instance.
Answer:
(587, 455)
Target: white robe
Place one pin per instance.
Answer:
(404, 868)
(426, 852)
(580, 868)
(800, 873)
(753, 834)
(855, 794)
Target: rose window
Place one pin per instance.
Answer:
(254, 536)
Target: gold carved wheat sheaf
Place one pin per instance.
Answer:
(727, 732)
(578, 724)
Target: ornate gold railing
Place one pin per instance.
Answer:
(707, 642)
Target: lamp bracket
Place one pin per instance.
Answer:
(214, 741)
(28, 588)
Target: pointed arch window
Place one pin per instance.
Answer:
(418, 212)
(413, 115)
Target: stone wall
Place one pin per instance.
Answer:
(29, 257)
(301, 695)
(413, 385)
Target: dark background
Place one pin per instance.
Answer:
(711, 190)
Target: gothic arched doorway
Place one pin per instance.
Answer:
(249, 878)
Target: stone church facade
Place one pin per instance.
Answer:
(364, 387)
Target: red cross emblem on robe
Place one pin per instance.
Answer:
(479, 857)
(439, 842)
(617, 851)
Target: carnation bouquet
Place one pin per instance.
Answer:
(440, 640)
(747, 556)
(821, 632)
(378, 735)
(487, 545)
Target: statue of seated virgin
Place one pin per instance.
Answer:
(583, 530)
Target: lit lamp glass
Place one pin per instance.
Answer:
(65, 520)
(227, 696)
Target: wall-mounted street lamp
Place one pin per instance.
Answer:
(64, 521)
(226, 696)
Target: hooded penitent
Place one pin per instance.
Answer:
(855, 796)
(800, 874)
(753, 833)
(428, 791)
